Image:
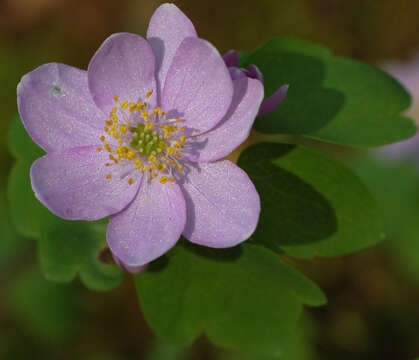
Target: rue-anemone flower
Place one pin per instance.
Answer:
(141, 136)
(231, 59)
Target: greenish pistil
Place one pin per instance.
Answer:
(146, 142)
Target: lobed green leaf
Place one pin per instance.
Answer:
(311, 205)
(245, 297)
(330, 98)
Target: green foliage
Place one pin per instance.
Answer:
(330, 98)
(11, 242)
(45, 309)
(65, 247)
(396, 188)
(311, 205)
(245, 297)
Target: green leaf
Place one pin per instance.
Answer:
(70, 247)
(11, 242)
(20, 144)
(245, 298)
(66, 248)
(311, 205)
(26, 210)
(330, 98)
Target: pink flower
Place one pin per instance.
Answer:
(140, 136)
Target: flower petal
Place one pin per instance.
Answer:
(168, 27)
(273, 101)
(222, 205)
(124, 65)
(57, 109)
(130, 269)
(150, 226)
(198, 85)
(234, 129)
(73, 185)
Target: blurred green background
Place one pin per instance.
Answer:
(373, 310)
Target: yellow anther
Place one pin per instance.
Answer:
(115, 98)
(181, 129)
(137, 163)
(182, 139)
(124, 104)
(178, 120)
(108, 122)
(130, 181)
(162, 145)
(172, 180)
(111, 157)
(156, 111)
(123, 129)
(108, 176)
(148, 95)
(107, 147)
(99, 149)
(148, 126)
(163, 179)
(106, 129)
(107, 164)
(102, 138)
(180, 168)
(170, 150)
(131, 106)
(130, 155)
(113, 110)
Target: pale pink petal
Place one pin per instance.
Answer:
(124, 65)
(222, 204)
(168, 27)
(72, 184)
(130, 269)
(150, 226)
(57, 109)
(198, 86)
(234, 129)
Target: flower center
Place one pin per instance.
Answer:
(144, 139)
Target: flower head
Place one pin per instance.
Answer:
(139, 137)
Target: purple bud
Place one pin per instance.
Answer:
(273, 101)
(231, 58)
